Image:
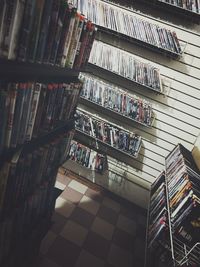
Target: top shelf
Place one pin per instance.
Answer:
(14, 71)
(191, 15)
(131, 26)
(165, 6)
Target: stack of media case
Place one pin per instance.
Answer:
(173, 235)
(108, 16)
(50, 32)
(38, 103)
(87, 157)
(32, 109)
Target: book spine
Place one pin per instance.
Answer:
(18, 114)
(76, 41)
(3, 121)
(25, 111)
(7, 28)
(68, 38)
(59, 27)
(83, 43)
(52, 30)
(13, 94)
(40, 111)
(4, 173)
(72, 39)
(17, 23)
(34, 107)
(2, 16)
(44, 30)
(63, 37)
(34, 36)
(27, 24)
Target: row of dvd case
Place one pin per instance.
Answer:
(183, 179)
(107, 133)
(45, 31)
(116, 99)
(126, 22)
(126, 65)
(31, 109)
(87, 157)
(192, 5)
(158, 216)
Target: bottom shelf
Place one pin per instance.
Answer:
(25, 250)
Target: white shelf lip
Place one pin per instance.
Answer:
(120, 114)
(98, 140)
(135, 82)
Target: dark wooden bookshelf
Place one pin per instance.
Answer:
(25, 248)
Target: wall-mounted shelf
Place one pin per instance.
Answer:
(190, 15)
(111, 134)
(156, 49)
(103, 73)
(102, 147)
(124, 64)
(112, 10)
(181, 12)
(112, 112)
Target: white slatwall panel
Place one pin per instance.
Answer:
(177, 114)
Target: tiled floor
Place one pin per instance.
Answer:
(93, 229)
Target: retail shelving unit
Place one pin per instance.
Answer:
(172, 229)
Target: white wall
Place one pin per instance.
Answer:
(177, 114)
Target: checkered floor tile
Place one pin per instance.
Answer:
(92, 228)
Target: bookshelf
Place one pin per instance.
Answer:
(172, 231)
(27, 192)
(43, 46)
